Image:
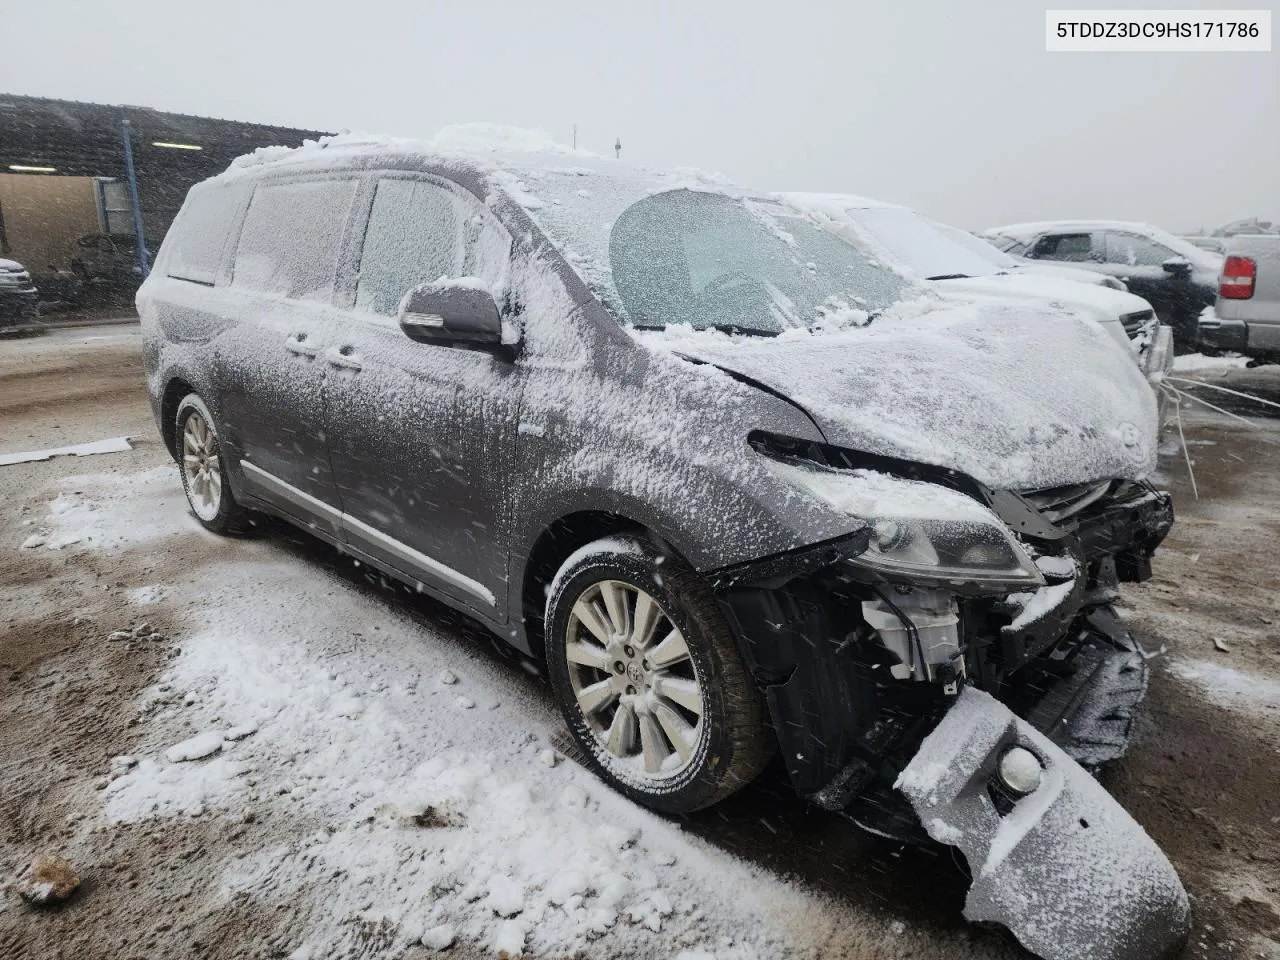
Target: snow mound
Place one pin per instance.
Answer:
(390, 806)
(497, 137)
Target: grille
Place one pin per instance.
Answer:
(1135, 323)
(1058, 503)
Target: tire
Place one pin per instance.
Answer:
(627, 711)
(204, 470)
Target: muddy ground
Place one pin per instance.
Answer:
(1203, 776)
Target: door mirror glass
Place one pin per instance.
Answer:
(458, 311)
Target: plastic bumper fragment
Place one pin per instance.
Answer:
(1064, 868)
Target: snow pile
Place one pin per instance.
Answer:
(117, 510)
(438, 822)
(1198, 362)
(500, 138)
(1227, 687)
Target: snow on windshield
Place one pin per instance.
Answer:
(920, 246)
(711, 261)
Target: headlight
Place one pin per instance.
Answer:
(917, 528)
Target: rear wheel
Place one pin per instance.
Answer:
(649, 678)
(204, 474)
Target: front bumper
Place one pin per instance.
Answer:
(844, 724)
(1064, 868)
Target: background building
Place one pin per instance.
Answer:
(63, 181)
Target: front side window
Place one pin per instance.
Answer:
(291, 238)
(1071, 247)
(419, 233)
(715, 262)
(1131, 250)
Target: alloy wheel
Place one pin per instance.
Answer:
(201, 467)
(634, 680)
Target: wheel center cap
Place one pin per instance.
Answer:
(634, 673)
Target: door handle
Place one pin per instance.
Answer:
(296, 343)
(344, 357)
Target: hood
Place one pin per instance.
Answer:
(1049, 269)
(13, 265)
(1016, 397)
(1103, 302)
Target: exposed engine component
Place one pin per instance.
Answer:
(922, 629)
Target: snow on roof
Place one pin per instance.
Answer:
(1025, 231)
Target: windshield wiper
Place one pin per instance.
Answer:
(950, 276)
(729, 328)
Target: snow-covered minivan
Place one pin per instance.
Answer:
(740, 487)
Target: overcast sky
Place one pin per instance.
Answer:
(955, 109)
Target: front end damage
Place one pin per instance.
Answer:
(1062, 865)
(875, 677)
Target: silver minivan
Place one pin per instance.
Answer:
(740, 488)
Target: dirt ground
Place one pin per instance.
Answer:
(1203, 776)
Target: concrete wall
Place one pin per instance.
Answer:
(44, 215)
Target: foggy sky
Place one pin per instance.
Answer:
(955, 109)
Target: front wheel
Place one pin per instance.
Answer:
(649, 678)
(204, 472)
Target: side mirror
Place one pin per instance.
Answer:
(1177, 267)
(458, 311)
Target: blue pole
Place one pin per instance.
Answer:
(143, 265)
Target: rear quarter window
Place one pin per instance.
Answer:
(193, 248)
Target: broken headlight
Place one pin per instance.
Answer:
(919, 529)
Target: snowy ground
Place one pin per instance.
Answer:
(305, 763)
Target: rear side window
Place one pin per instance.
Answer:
(1072, 247)
(291, 238)
(193, 248)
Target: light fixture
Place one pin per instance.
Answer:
(23, 168)
(176, 146)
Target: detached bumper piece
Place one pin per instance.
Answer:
(1089, 713)
(1061, 865)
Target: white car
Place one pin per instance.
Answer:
(961, 267)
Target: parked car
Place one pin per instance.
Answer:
(740, 487)
(18, 298)
(1006, 248)
(1246, 317)
(962, 268)
(108, 260)
(1178, 278)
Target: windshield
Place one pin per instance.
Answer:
(977, 246)
(921, 246)
(715, 262)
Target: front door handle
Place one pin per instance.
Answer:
(344, 357)
(297, 343)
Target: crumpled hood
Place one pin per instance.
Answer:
(1015, 396)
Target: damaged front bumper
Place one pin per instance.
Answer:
(901, 730)
(1063, 867)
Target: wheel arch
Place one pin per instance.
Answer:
(174, 391)
(552, 547)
